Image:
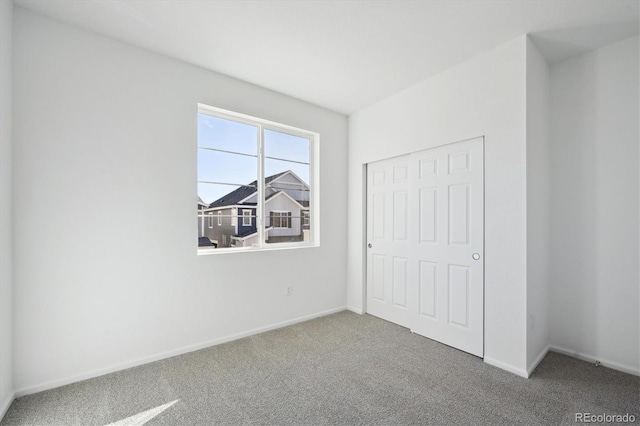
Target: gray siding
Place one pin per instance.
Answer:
(216, 232)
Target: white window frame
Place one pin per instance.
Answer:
(245, 217)
(314, 186)
(219, 218)
(210, 219)
(305, 217)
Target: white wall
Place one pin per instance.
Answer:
(106, 272)
(538, 205)
(6, 380)
(483, 96)
(594, 229)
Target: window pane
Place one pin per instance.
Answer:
(220, 167)
(286, 147)
(275, 167)
(227, 135)
(220, 221)
(287, 189)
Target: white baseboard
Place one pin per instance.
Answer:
(592, 359)
(168, 354)
(507, 367)
(6, 404)
(356, 310)
(537, 361)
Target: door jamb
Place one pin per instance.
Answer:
(365, 170)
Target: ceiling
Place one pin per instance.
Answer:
(345, 55)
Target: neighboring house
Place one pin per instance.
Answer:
(202, 240)
(230, 221)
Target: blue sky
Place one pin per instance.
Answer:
(228, 135)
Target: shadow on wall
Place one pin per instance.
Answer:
(559, 45)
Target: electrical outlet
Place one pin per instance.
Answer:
(288, 290)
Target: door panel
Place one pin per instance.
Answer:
(378, 277)
(400, 281)
(425, 221)
(427, 214)
(400, 215)
(428, 282)
(388, 234)
(458, 295)
(378, 215)
(459, 214)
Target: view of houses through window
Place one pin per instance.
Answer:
(254, 176)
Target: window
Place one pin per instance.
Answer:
(246, 217)
(210, 220)
(268, 167)
(280, 219)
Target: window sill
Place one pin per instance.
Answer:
(280, 246)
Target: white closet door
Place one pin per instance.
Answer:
(434, 274)
(388, 240)
(447, 193)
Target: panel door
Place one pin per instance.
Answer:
(447, 217)
(388, 240)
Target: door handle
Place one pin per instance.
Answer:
(369, 245)
(475, 256)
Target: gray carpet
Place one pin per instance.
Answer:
(342, 369)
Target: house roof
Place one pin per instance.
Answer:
(284, 194)
(236, 196)
(205, 242)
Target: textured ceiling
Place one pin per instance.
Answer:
(344, 55)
